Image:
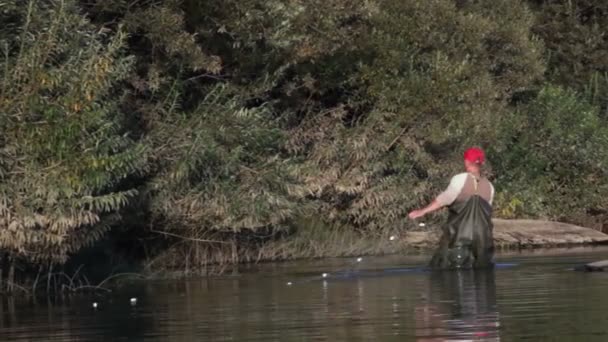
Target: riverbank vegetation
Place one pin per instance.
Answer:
(181, 134)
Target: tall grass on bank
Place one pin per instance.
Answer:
(311, 239)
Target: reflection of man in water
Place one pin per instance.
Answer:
(460, 306)
(467, 237)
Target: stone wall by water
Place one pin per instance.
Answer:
(522, 233)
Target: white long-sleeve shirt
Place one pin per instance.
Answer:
(457, 184)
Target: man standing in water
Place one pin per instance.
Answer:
(467, 237)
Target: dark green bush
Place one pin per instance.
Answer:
(552, 157)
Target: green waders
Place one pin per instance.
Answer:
(467, 237)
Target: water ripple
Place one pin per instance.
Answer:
(538, 298)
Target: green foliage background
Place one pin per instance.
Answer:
(216, 128)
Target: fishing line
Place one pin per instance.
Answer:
(353, 268)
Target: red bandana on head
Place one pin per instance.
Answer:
(475, 155)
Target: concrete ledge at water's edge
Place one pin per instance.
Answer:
(522, 234)
(538, 233)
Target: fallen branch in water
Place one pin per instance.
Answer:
(12, 284)
(187, 238)
(120, 275)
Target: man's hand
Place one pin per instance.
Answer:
(416, 214)
(428, 209)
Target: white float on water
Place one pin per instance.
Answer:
(95, 305)
(288, 283)
(393, 237)
(133, 301)
(422, 224)
(324, 275)
(359, 259)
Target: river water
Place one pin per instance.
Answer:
(531, 296)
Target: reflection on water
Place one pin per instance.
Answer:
(539, 299)
(460, 305)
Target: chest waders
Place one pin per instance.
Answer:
(467, 240)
